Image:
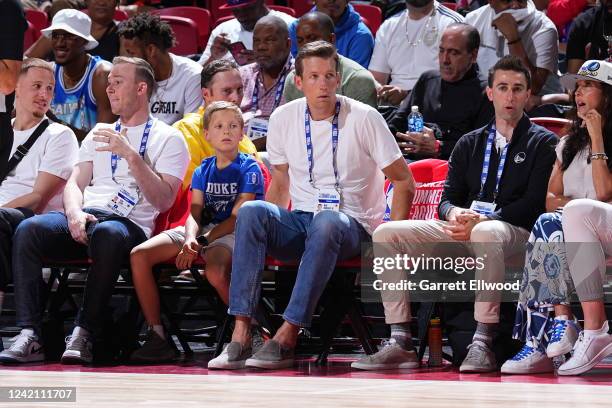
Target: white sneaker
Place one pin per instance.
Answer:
(25, 349)
(78, 350)
(564, 335)
(590, 348)
(530, 360)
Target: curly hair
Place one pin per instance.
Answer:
(578, 136)
(149, 29)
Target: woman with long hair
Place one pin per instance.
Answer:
(544, 319)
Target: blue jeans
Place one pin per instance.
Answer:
(47, 237)
(318, 241)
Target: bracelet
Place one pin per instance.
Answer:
(599, 156)
(515, 41)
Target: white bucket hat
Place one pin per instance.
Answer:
(592, 70)
(75, 22)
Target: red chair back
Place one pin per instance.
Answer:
(120, 15)
(300, 7)
(38, 18)
(558, 126)
(284, 9)
(177, 214)
(371, 15)
(186, 34)
(30, 36)
(429, 176)
(201, 18)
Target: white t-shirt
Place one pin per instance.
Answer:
(405, 48)
(365, 146)
(236, 33)
(179, 94)
(578, 177)
(538, 35)
(166, 153)
(54, 152)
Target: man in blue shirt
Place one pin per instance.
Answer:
(353, 38)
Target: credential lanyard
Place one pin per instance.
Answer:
(334, 144)
(487, 161)
(143, 145)
(280, 86)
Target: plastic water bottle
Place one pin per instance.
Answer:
(415, 120)
(434, 337)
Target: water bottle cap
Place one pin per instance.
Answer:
(415, 108)
(435, 321)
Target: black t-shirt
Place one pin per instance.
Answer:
(589, 28)
(108, 44)
(12, 28)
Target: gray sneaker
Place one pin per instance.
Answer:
(78, 350)
(154, 350)
(480, 359)
(390, 357)
(272, 356)
(25, 349)
(259, 335)
(233, 357)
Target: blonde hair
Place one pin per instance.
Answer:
(29, 63)
(220, 106)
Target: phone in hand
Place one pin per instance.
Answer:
(236, 50)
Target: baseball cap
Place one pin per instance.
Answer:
(231, 4)
(591, 70)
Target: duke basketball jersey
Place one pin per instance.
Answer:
(76, 106)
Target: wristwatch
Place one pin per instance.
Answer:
(202, 240)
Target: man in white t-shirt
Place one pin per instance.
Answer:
(178, 78)
(127, 173)
(516, 28)
(238, 29)
(34, 184)
(407, 45)
(327, 153)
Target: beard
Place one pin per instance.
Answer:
(418, 3)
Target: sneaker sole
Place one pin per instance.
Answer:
(69, 360)
(16, 360)
(269, 365)
(515, 371)
(234, 365)
(376, 367)
(474, 369)
(555, 352)
(592, 363)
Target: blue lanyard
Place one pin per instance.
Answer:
(334, 143)
(143, 145)
(280, 86)
(487, 161)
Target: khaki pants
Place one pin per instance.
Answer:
(502, 241)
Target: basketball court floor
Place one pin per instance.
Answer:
(190, 384)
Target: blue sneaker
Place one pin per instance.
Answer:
(530, 360)
(564, 335)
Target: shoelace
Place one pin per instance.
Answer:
(558, 330)
(581, 345)
(388, 343)
(21, 342)
(527, 350)
(77, 342)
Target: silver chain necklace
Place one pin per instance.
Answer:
(428, 37)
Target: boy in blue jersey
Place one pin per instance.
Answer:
(220, 186)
